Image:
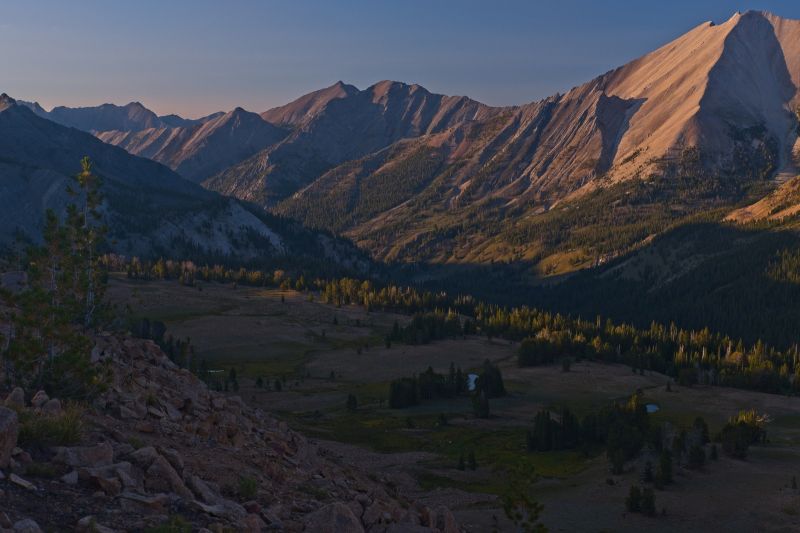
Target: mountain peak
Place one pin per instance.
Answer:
(6, 102)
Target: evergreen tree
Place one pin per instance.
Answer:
(49, 345)
(648, 502)
(480, 404)
(647, 477)
(664, 470)
(352, 402)
(697, 457)
(633, 503)
(471, 460)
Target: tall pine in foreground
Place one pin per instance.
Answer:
(48, 344)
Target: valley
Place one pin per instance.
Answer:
(379, 308)
(291, 337)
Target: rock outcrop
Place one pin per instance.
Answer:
(160, 444)
(9, 429)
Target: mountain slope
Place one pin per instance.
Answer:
(200, 150)
(149, 209)
(343, 128)
(111, 117)
(694, 125)
(307, 106)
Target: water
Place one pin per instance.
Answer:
(652, 407)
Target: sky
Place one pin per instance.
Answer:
(194, 57)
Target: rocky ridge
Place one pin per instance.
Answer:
(159, 444)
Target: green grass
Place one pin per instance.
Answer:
(248, 488)
(500, 450)
(274, 359)
(42, 430)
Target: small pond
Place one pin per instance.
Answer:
(652, 407)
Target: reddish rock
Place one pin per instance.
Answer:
(333, 518)
(9, 430)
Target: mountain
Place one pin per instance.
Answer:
(200, 150)
(195, 148)
(337, 125)
(150, 210)
(133, 116)
(110, 117)
(305, 108)
(695, 126)
(704, 125)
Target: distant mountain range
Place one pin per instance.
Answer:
(700, 125)
(150, 210)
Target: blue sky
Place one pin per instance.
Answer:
(196, 57)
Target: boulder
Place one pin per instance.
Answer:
(161, 477)
(157, 502)
(444, 521)
(88, 524)
(52, 407)
(251, 523)
(26, 526)
(89, 456)
(9, 430)
(202, 490)
(39, 399)
(333, 518)
(224, 509)
(16, 398)
(173, 456)
(24, 483)
(70, 478)
(144, 457)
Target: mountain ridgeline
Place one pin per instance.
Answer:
(150, 210)
(702, 132)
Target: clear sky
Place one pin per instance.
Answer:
(194, 57)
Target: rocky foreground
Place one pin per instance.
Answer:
(160, 449)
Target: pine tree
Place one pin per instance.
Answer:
(471, 460)
(352, 403)
(648, 502)
(664, 470)
(697, 457)
(647, 477)
(49, 345)
(633, 503)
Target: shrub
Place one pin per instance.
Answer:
(175, 524)
(44, 470)
(45, 430)
(248, 488)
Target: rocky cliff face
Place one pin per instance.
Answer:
(159, 444)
